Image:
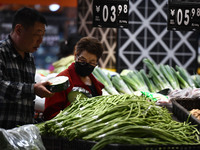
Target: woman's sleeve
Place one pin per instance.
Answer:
(58, 101)
(54, 104)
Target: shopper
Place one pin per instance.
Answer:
(17, 69)
(88, 51)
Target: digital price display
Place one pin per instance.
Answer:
(184, 16)
(110, 13)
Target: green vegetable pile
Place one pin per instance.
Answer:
(122, 119)
(155, 78)
(63, 63)
(105, 80)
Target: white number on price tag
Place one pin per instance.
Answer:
(113, 11)
(113, 16)
(184, 16)
(180, 18)
(110, 13)
(106, 13)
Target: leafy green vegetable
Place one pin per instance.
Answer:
(157, 76)
(169, 75)
(149, 83)
(186, 76)
(196, 80)
(135, 80)
(120, 85)
(104, 79)
(126, 118)
(183, 84)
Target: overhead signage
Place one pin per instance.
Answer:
(110, 13)
(184, 16)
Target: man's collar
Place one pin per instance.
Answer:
(14, 52)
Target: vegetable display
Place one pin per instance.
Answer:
(128, 113)
(104, 79)
(120, 85)
(63, 63)
(135, 80)
(170, 76)
(185, 75)
(123, 119)
(156, 78)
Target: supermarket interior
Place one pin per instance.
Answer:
(149, 75)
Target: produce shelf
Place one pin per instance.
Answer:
(181, 108)
(59, 143)
(180, 111)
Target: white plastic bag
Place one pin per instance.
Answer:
(25, 137)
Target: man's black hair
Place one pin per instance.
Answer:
(27, 17)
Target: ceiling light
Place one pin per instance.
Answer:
(54, 7)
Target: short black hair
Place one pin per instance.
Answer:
(27, 17)
(91, 45)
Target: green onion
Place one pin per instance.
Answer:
(171, 78)
(186, 76)
(196, 80)
(157, 76)
(104, 79)
(149, 83)
(120, 85)
(135, 80)
(183, 84)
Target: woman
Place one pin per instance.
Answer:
(88, 51)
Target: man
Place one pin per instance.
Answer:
(17, 69)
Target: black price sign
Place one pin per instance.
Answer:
(184, 16)
(110, 13)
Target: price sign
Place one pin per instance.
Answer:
(110, 13)
(184, 16)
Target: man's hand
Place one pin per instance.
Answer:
(41, 90)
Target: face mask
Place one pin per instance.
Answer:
(83, 69)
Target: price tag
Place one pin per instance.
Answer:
(110, 13)
(184, 16)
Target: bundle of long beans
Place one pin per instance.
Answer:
(124, 119)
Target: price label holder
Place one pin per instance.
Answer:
(110, 13)
(183, 16)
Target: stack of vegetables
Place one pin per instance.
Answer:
(122, 119)
(63, 63)
(158, 78)
(105, 80)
